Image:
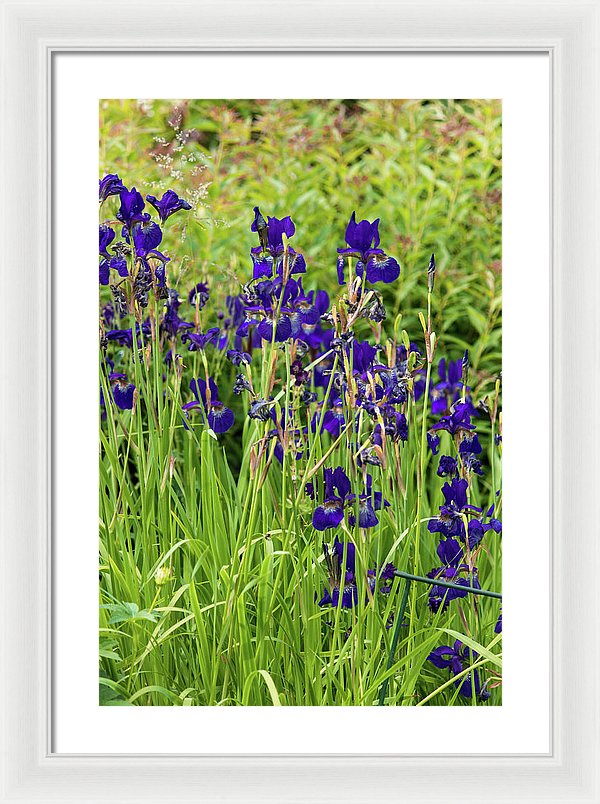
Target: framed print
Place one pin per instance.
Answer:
(323, 531)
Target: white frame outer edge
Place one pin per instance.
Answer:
(31, 33)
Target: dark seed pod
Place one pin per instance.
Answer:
(121, 249)
(371, 457)
(301, 348)
(296, 370)
(120, 300)
(260, 409)
(338, 344)
(465, 367)
(308, 397)
(375, 310)
(141, 298)
(261, 228)
(241, 384)
(162, 292)
(431, 274)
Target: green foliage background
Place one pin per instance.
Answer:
(431, 170)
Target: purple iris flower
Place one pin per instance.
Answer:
(171, 323)
(108, 314)
(235, 309)
(342, 576)
(450, 521)
(457, 658)
(472, 464)
(282, 327)
(117, 260)
(168, 204)
(342, 589)
(199, 341)
(304, 310)
(269, 255)
(449, 388)
(362, 240)
(468, 448)
(337, 490)
(395, 424)
(433, 442)
(199, 295)
(106, 236)
(363, 355)
(333, 420)
(111, 184)
(220, 418)
(260, 307)
(458, 421)
(368, 502)
(147, 236)
(132, 206)
(447, 467)
(124, 337)
(338, 497)
(494, 524)
(382, 269)
(469, 444)
(387, 575)
(237, 357)
(276, 228)
(475, 532)
(498, 626)
(367, 518)
(119, 264)
(441, 595)
(301, 377)
(450, 554)
(455, 495)
(104, 272)
(123, 390)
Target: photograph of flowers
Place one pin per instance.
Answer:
(300, 427)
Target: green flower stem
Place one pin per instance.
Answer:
(396, 634)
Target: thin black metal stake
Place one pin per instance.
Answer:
(448, 584)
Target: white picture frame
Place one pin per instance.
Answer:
(31, 33)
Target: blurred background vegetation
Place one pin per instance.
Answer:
(430, 169)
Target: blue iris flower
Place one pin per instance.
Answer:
(362, 242)
(457, 658)
(123, 390)
(220, 418)
(168, 205)
(268, 257)
(111, 184)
